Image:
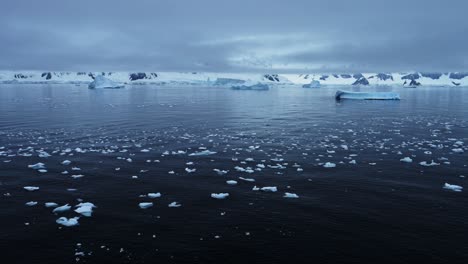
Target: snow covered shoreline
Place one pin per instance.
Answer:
(230, 79)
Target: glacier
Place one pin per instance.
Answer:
(367, 95)
(101, 82)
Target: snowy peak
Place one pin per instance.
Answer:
(222, 79)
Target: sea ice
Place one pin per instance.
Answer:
(31, 188)
(145, 205)
(154, 195)
(202, 153)
(67, 222)
(85, 209)
(231, 182)
(406, 159)
(62, 208)
(219, 195)
(290, 195)
(174, 204)
(329, 165)
(455, 188)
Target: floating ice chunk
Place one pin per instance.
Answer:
(62, 208)
(455, 188)
(290, 195)
(42, 171)
(43, 154)
(458, 150)
(202, 153)
(246, 179)
(31, 188)
(255, 188)
(77, 176)
(154, 195)
(144, 150)
(50, 204)
(102, 82)
(190, 170)
(66, 162)
(76, 169)
(67, 222)
(231, 182)
(174, 204)
(85, 209)
(221, 172)
(145, 205)
(366, 95)
(219, 195)
(37, 166)
(329, 165)
(424, 163)
(269, 189)
(31, 203)
(406, 159)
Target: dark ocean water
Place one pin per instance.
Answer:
(378, 210)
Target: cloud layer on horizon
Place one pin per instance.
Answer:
(234, 36)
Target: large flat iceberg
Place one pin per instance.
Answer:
(101, 82)
(367, 95)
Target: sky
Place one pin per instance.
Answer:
(234, 36)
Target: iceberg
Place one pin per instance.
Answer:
(367, 95)
(313, 84)
(101, 82)
(452, 187)
(256, 87)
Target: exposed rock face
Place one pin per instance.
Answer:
(433, 76)
(361, 81)
(142, 75)
(272, 77)
(458, 75)
(412, 76)
(324, 77)
(384, 76)
(47, 75)
(414, 83)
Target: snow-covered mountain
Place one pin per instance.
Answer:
(224, 79)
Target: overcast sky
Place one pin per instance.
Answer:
(235, 35)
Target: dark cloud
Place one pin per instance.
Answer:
(241, 35)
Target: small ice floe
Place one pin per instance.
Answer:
(171, 172)
(329, 165)
(202, 153)
(352, 162)
(220, 172)
(190, 170)
(31, 188)
(174, 204)
(246, 179)
(455, 188)
(44, 154)
(77, 176)
(424, 163)
(85, 209)
(66, 162)
(145, 150)
(67, 221)
(231, 182)
(458, 150)
(220, 195)
(64, 172)
(50, 204)
(62, 208)
(154, 195)
(129, 160)
(37, 166)
(406, 159)
(290, 195)
(265, 189)
(31, 203)
(76, 169)
(145, 205)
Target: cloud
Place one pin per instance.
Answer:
(236, 36)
